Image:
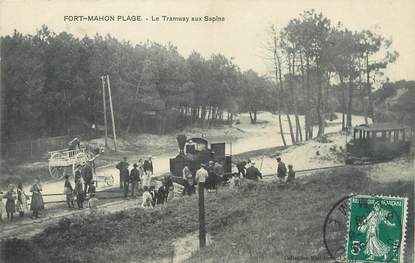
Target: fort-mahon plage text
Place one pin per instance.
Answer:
(140, 18)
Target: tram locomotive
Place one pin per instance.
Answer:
(196, 151)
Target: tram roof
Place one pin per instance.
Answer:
(381, 126)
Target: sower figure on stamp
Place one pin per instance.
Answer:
(374, 246)
(281, 170)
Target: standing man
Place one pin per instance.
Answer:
(219, 173)
(135, 179)
(188, 180)
(125, 174)
(201, 174)
(148, 165)
(86, 173)
(211, 180)
(253, 173)
(281, 170)
(120, 166)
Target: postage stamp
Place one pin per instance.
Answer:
(376, 229)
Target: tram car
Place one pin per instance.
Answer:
(378, 142)
(197, 151)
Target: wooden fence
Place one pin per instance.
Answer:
(30, 149)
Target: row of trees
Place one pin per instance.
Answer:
(324, 67)
(51, 84)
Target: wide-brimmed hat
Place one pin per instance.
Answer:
(211, 162)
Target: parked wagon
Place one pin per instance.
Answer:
(378, 142)
(66, 162)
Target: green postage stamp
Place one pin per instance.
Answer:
(376, 229)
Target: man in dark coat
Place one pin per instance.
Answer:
(253, 173)
(134, 179)
(87, 175)
(281, 170)
(125, 175)
(120, 166)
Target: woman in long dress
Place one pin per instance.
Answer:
(10, 202)
(21, 200)
(37, 200)
(374, 246)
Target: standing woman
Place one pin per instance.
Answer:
(37, 200)
(21, 200)
(10, 202)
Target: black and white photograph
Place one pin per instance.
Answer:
(207, 131)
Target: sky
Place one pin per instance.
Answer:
(243, 35)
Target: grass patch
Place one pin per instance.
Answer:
(257, 223)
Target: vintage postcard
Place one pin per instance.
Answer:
(207, 131)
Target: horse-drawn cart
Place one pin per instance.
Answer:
(66, 162)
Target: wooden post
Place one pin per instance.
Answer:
(112, 113)
(105, 111)
(202, 229)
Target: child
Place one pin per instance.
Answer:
(68, 191)
(147, 199)
(21, 200)
(93, 202)
(291, 174)
(92, 188)
(1, 207)
(79, 193)
(11, 197)
(153, 195)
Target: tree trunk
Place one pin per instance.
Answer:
(277, 69)
(308, 121)
(320, 120)
(343, 91)
(290, 99)
(350, 103)
(371, 109)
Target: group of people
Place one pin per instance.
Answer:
(84, 188)
(211, 174)
(17, 201)
(140, 177)
(252, 173)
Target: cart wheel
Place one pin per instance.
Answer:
(109, 180)
(56, 170)
(59, 172)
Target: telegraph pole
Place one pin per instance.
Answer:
(112, 113)
(202, 227)
(105, 111)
